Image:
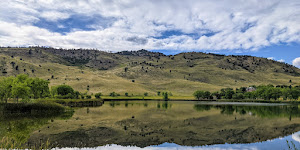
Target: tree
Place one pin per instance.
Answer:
(98, 95)
(228, 93)
(39, 87)
(20, 90)
(64, 92)
(217, 95)
(158, 93)
(249, 95)
(114, 94)
(238, 96)
(5, 88)
(198, 94)
(146, 94)
(206, 95)
(126, 94)
(165, 96)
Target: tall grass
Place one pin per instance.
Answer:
(11, 143)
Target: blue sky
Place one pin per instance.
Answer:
(267, 28)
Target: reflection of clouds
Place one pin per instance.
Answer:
(168, 146)
(296, 136)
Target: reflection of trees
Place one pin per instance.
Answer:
(113, 104)
(226, 109)
(202, 107)
(145, 104)
(164, 105)
(262, 111)
(20, 128)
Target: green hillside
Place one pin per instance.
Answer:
(142, 71)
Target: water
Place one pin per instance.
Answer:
(165, 125)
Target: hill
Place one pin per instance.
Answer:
(142, 71)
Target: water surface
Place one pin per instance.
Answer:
(166, 125)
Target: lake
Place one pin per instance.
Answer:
(163, 125)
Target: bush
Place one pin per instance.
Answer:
(88, 97)
(114, 94)
(146, 94)
(126, 94)
(158, 93)
(98, 95)
(64, 90)
(165, 96)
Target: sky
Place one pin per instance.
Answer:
(268, 28)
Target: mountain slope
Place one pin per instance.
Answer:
(142, 71)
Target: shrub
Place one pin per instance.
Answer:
(98, 95)
(114, 94)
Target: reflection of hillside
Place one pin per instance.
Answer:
(150, 123)
(261, 111)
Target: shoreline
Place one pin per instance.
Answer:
(213, 100)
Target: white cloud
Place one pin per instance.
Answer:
(230, 25)
(281, 60)
(296, 62)
(54, 15)
(271, 58)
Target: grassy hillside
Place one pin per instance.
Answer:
(143, 71)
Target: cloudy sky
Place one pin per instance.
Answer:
(268, 28)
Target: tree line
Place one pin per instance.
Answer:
(25, 88)
(266, 92)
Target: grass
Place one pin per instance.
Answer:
(182, 81)
(11, 143)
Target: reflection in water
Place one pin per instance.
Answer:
(146, 123)
(19, 128)
(261, 111)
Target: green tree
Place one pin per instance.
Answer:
(238, 96)
(198, 94)
(98, 95)
(217, 95)
(20, 90)
(249, 95)
(64, 92)
(6, 88)
(228, 93)
(206, 95)
(126, 94)
(158, 93)
(146, 94)
(165, 96)
(114, 94)
(39, 87)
